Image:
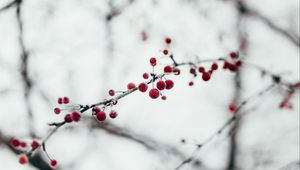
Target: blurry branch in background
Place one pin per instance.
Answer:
(295, 165)
(226, 125)
(27, 82)
(243, 44)
(35, 160)
(24, 56)
(163, 150)
(246, 10)
(9, 5)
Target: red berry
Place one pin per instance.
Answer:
(57, 110)
(165, 52)
(130, 86)
(153, 61)
(201, 69)
(297, 84)
(232, 67)
(192, 70)
(206, 76)
(239, 63)
(23, 144)
(68, 118)
(169, 84)
(66, 100)
(53, 163)
(226, 63)
(60, 100)
(144, 36)
(143, 87)
(168, 69)
(234, 55)
(191, 83)
(76, 116)
(168, 40)
(15, 142)
(161, 85)
(35, 144)
(23, 159)
(113, 114)
(214, 66)
(176, 71)
(154, 93)
(111, 92)
(232, 107)
(164, 97)
(101, 116)
(145, 75)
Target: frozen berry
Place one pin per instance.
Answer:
(234, 55)
(165, 51)
(14, 142)
(101, 116)
(23, 159)
(161, 85)
(68, 118)
(57, 110)
(35, 144)
(66, 100)
(111, 92)
(169, 84)
(206, 76)
(239, 63)
(168, 69)
(23, 144)
(201, 69)
(154, 93)
(53, 163)
(145, 75)
(60, 100)
(153, 61)
(232, 107)
(130, 86)
(192, 70)
(113, 114)
(191, 83)
(168, 40)
(214, 66)
(76, 116)
(143, 87)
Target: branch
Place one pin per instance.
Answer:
(224, 126)
(11, 4)
(35, 160)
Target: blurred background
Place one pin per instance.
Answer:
(83, 48)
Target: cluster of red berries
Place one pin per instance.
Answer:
(168, 41)
(100, 115)
(21, 144)
(233, 63)
(60, 101)
(74, 116)
(23, 158)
